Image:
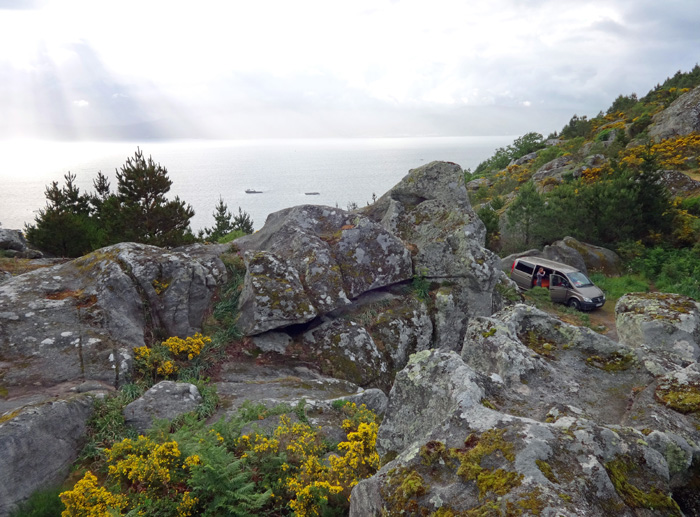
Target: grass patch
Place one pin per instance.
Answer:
(44, 503)
(616, 287)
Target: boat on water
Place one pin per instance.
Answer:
(312, 193)
(251, 191)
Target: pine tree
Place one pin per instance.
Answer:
(243, 222)
(65, 227)
(222, 223)
(142, 213)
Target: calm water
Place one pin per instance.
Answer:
(341, 170)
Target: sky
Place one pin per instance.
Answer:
(101, 69)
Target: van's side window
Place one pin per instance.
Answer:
(525, 267)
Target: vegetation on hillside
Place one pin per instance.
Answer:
(74, 223)
(608, 189)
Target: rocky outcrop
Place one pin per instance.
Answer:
(536, 418)
(81, 319)
(554, 169)
(310, 260)
(38, 444)
(595, 258)
(166, 400)
(13, 244)
(666, 327)
(331, 288)
(678, 183)
(12, 240)
(430, 211)
(682, 117)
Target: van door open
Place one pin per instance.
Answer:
(558, 287)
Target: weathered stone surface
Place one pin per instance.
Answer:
(166, 400)
(12, 240)
(476, 184)
(324, 257)
(345, 350)
(678, 183)
(544, 362)
(38, 444)
(663, 324)
(272, 342)
(560, 251)
(524, 159)
(273, 295)
(595, 258)
(81, 319)
(459, 454)
(680, 118)
(278, 383)
(429, 209)
(400, 328)
(554, 169)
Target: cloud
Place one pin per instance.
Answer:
(322, 68)
(82, 103)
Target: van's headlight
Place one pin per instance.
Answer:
(587, 300)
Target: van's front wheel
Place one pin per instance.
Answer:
(574, 304)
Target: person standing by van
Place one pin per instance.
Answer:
(540, 276)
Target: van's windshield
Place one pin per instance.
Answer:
(579, 280)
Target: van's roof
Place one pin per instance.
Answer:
(564, 268)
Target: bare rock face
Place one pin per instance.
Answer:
(12, 240)
(678, 183)
(166, 400)
(665, 326)
(345, 350)
(554, 169)
(81, 319)
(429, 209)
(309, 260)
(595, 258)
(462, 438)
(38, 444)
(682, 117)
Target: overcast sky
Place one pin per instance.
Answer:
(298, 68)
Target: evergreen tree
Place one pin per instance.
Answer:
(525, 214)
(65, 227)
(243, 222)
(142, 213)
(222, 223)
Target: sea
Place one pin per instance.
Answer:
(340, 172)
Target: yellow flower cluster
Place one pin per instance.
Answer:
(142, 461)
(191, 461)
(187, 505)
(87, 499)
(314, 481)
(308, 499)
(144, 470)
(191, 346)
(672, 153)
(167, 368)
(142, 353)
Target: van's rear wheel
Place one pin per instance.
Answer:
(574, 304)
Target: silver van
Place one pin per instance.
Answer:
(566, 284)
